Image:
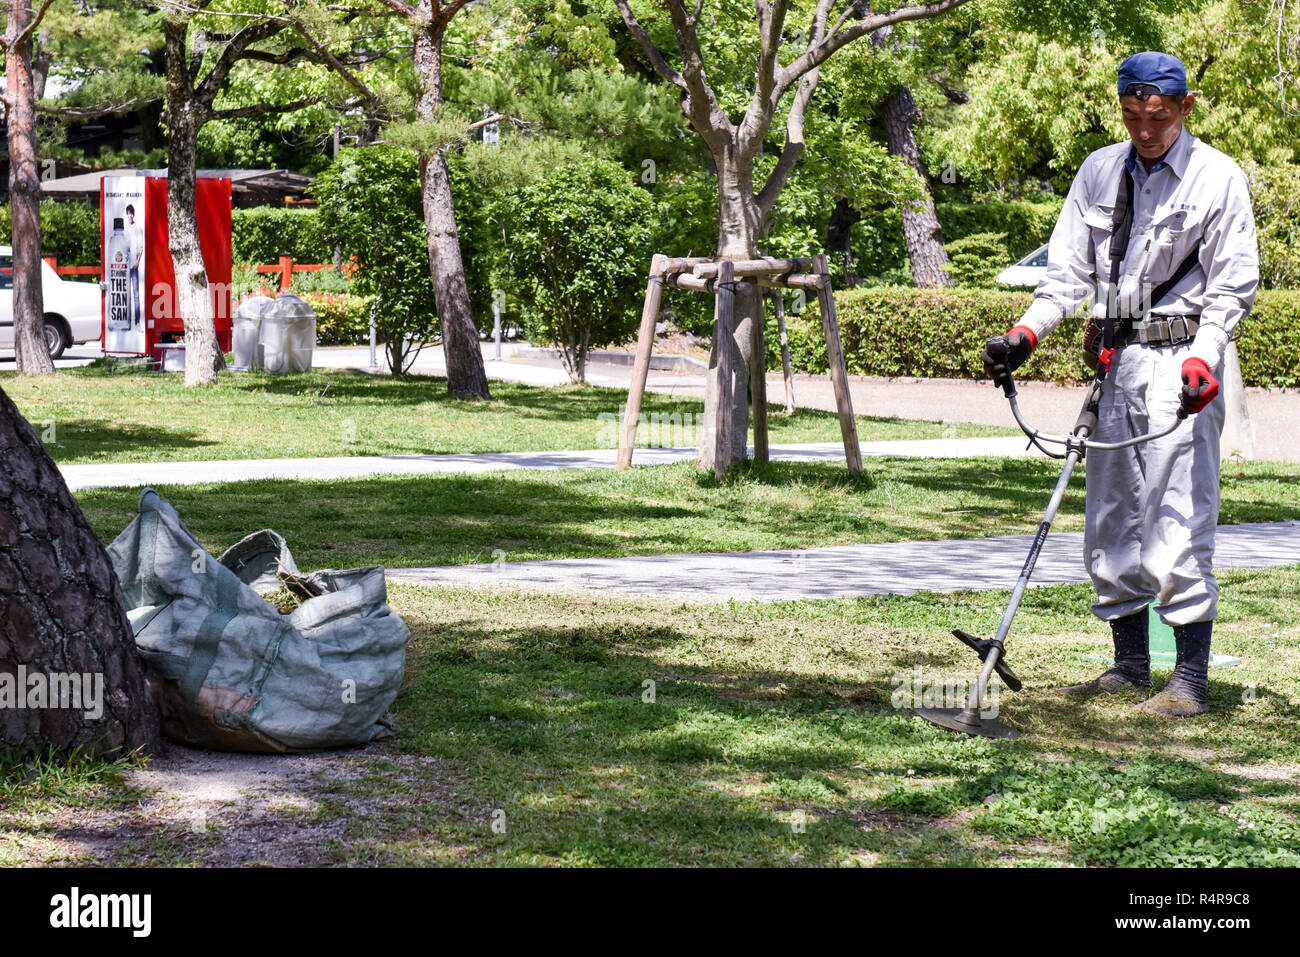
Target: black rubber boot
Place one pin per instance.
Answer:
(1188, 691)
(1132, 668)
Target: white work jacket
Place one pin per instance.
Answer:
(1195, 198)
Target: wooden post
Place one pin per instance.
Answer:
(53, 261)
(839, 372)
(723, 333)
(286, 272)
(785, 351)
(758, 380)
(641, 367)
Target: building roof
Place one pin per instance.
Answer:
(243, 181)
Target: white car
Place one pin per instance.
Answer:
(72, 309)
(1027, 272)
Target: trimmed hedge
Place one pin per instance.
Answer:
(69, 231)
(262, 234)
(938, 333)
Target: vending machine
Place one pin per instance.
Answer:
(140, 310)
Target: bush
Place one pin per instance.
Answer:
(580, 238)
(370, 200)
(262, 234)
(1028, 224)
(341, 319)
(1277, 219)
(976, 260)
(69, 231)
(938, 333)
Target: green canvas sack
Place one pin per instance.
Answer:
(232, 673)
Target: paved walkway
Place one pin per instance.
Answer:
(845, 571)
(112, 475)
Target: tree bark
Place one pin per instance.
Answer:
(739, 222)
(203, 358)
(465, 373)
(921, 229)
(31, 353)
(1238, 432)
(839, 238)
(62, 613)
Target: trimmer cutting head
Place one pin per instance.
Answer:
(967, 722)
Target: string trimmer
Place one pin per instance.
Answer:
(991, 651)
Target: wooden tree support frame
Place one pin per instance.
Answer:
(724, 278)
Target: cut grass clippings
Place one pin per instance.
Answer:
(92, 414)
(404, 521)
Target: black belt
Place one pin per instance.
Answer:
(1158, 330)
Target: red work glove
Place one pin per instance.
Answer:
(1002, 355)
(1199, 385)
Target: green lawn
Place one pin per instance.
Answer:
(448, 519)
(775, 735)
(103, 416)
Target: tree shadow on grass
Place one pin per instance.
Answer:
(111, 441)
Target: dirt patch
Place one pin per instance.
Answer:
(229, 810)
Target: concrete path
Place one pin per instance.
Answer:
(845, 571)
(113, 475)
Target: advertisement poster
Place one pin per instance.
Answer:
(124, 299)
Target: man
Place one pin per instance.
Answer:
(135, 246)
(1187, 279)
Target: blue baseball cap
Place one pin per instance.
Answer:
(1154, 73)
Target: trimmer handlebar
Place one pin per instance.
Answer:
(1085, 425)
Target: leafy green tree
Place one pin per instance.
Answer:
(371, 202)
(775, 70)
(579, 238)
(1042, 92)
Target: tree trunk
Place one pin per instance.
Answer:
(1238, 433)
(41, 60)
(839, 241)
(739, 221)
(31, 353)
(921, 229)
(465, 373)
(62, 615)
(203, 359)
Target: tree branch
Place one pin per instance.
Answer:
(20, 39)
(450, 10)
(657, 59)
(818, 54)
(706, 115)
(794, 143)
(260, 108)
(206, 92)
(90, 112)
(400, 6)
(335, 64)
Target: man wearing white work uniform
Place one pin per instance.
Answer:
(1180, 214)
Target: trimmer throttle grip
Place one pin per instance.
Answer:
(1087, 420)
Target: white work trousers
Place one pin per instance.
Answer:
(1152, 508)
